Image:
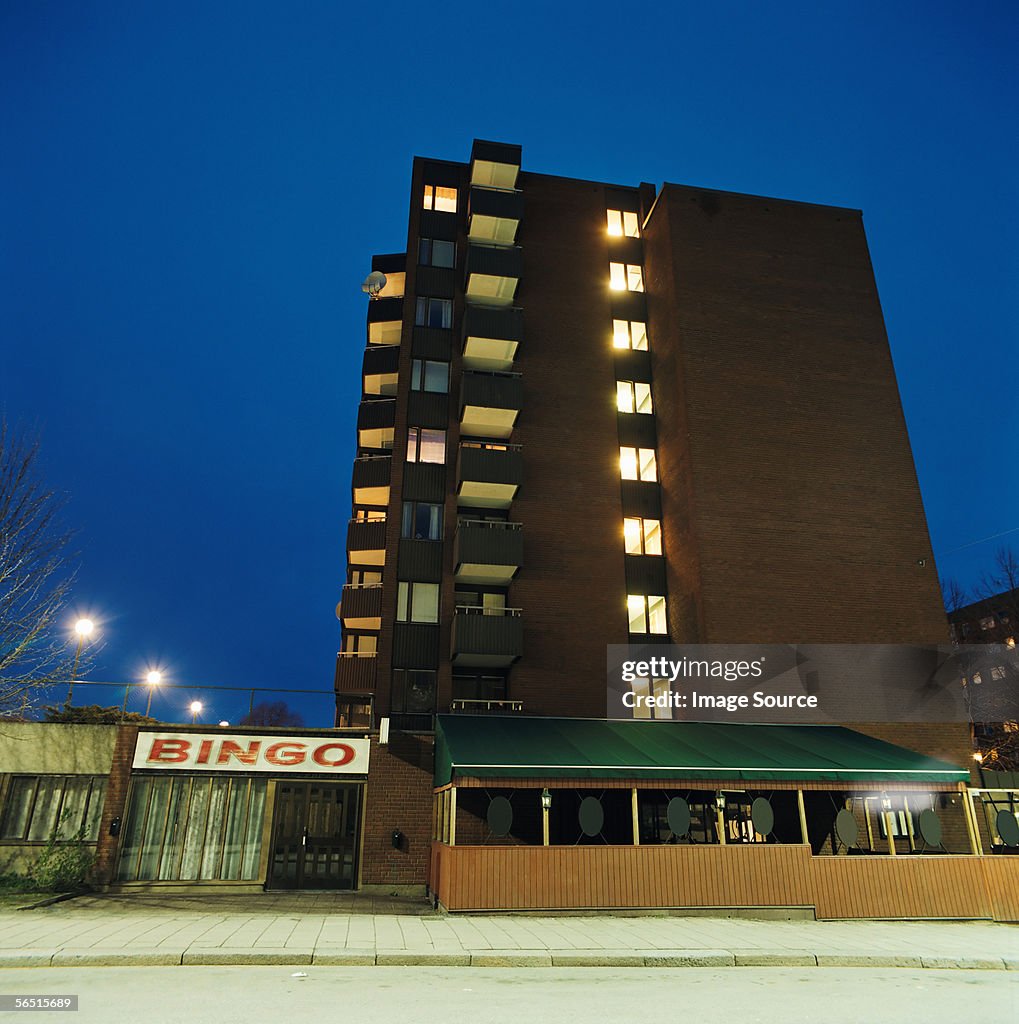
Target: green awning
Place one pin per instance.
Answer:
(577, 748)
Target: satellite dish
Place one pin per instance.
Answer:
(374, 283)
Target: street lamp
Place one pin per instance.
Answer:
(154, 678)
(196, 710)
(84, 629)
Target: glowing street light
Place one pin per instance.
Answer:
(154, 678)
(196, 710)
(84, 629)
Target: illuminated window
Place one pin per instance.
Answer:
(426, 445)
(633, 396)
(429, 375)
(629, 334)
(626, 277)
(384, 332)
(434, 252)
(360, 643)
(638, 464)
(645, 688)
(646, 613)
(622, 222)
(370, 515)
(417, 602)
(642, 536)
(434, 313)
(440, 198)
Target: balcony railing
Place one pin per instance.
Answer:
(356, 671)
(486, 707)
(361, 606)
(366, 541)
(486, 552)
(370, 479)
(486, 636)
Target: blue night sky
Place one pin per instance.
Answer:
(191, 193)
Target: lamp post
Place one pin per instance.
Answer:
(196, 710)
(546, 806)
(154, 678)
(84, 629)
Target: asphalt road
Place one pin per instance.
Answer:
(210, 995)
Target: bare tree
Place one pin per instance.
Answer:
(272, 712)
(36, 573)
(953, 595)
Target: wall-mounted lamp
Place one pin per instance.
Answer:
(886, 802)
(397, 839)
(546, 800)
(720, 801)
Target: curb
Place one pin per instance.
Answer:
(303, 957)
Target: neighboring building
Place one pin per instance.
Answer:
(991, 620)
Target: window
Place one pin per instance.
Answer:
(428, 375)
(434, 252)
(440, 198)
(365, 578)
(361, 643)
(422, 521)
(633, 396)
(479, 687)
(646, 613)
(384, 332)
(638, 464)
(642, 536)
(629, 334)
(987, 623)
(425, 445)
(626, 277)
(623, 222)
(417, 602)
(413, 691)
(998, 672)
(434, 313)
(643, 689)
(354, 713)
(40, 807)
(370, 515)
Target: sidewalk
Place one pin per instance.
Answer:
(302, 930)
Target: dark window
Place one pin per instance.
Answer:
(354, 713)
(478, 687)
(434, 312)
(422, 521)
(41, 807)
(434, 252)
(413, 691)
(429, 375)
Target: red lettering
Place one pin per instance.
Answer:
(167, 751)
(204, 750)
(231, 749)
(346, 755)
(285, 753)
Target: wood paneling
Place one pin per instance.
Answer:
(589, 877)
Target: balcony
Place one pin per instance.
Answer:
(490, 403)
(370, 480)
(493, 273)
(355, 672)
(486, 707)
(487, 553)
(366, 541)
(488, 475)
(491, 337)
(486, 637)
(375, 422)
(493, 215)
(380, 371)
(495, 164)
(361, 606)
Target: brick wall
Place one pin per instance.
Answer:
(116, 803)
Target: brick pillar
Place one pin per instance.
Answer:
(116, 802)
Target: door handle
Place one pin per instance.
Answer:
(304, 837)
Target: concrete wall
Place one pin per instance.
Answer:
(51, 748)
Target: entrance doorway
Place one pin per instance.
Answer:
(315, 836)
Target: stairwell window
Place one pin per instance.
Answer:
(431, 312)
(417, 602)
(633, 396)
(638, 464)
(629, 334)
(623, 222)
(440, 198)
(429, 375)
(626, 277)
(434, 252)
(425, 445)
(642, 536)
(421, 521)
(646, 613)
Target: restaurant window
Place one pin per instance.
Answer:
(629, 334)
(417, 602)
(424, 445)
(623, 222)
(431, 312)
(193, 828)
(43, 807)
(434, 252)
(421, 521)
(429, 375)
(440, 198)
(646, 613)
(642, 536)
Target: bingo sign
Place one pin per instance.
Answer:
(215, 752)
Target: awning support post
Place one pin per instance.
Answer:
(452, 816)
(971, 823)
(636, 816)
(804, 834)
(909, 824)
